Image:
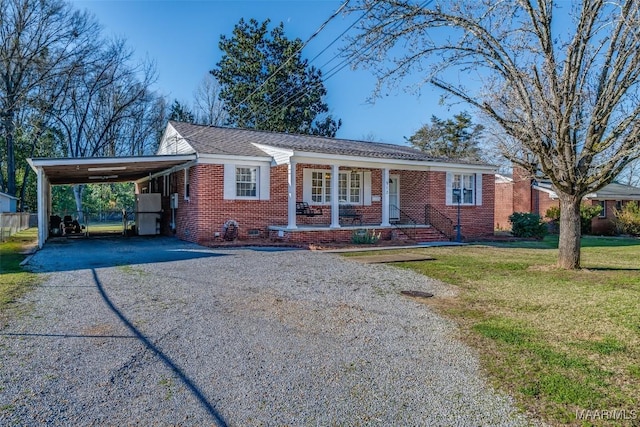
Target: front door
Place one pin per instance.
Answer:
(394, 198)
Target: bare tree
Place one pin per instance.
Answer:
(562, 84)
(104, 95)
(631, 174)
(208, 107)
(39, 40)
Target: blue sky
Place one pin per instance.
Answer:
(182, 38)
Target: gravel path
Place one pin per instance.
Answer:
(162, 332)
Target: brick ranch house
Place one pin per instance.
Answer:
(255, 179)
(521, 193)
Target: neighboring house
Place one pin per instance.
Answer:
(255, 179)
(8, 203)
(521, 193)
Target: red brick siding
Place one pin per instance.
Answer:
(205, 213)
(503, 206)
(475, 221)
(604, 225)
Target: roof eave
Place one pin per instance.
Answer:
(382, 161)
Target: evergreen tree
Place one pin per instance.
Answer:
(456, 138)
(180, 113)
(265, 84)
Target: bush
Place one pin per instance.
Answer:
(365, 236)
(628, 219)
(525, 224)
(587, 213)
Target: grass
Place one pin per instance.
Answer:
(15, 280)
(559, 341)
(105, 227)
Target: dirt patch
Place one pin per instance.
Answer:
(385, 258)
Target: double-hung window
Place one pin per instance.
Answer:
(462, 186)
(321, 187)
(247, 182)
(350, 187)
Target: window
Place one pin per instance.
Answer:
(186, 184)
(246, 182)
(350, 187)
(320, 187)
(603, 206)
(462, 186)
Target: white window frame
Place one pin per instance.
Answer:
(476, 188)
(325, 188)
(349, 175)
(466, 182)
(603, 205)
(364, 190)
(254, 172)
(187, 187)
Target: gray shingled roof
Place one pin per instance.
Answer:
(613, 191)
(221, 140)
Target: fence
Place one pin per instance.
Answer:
(11, 223)
(87, 222)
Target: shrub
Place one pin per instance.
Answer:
(627, 219)
(525, 224)
(587, 213)
(553, 213)
(365, 236)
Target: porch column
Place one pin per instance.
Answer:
(43, 207)
(291, 206)
(335, 201)
(385, 198)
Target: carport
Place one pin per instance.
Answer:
(61, 171)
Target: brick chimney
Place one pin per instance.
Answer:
(522, 199)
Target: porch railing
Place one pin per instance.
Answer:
(406, 224)
(439, 221)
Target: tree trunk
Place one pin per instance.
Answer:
(569, 244)
(77, 194)
(9, 129)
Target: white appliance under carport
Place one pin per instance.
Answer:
(148, 213)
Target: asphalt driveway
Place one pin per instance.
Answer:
(161, 332)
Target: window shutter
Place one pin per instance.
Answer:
(264, 182)
(229, 182)
(478, 182)
(448, 188)
(306, 186)
(367, 188)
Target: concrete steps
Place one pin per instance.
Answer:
(419, 233)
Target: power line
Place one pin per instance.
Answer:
(314, 35)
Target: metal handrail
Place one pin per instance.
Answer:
(410, 231)
(439, 221)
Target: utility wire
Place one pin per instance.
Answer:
(314, 35)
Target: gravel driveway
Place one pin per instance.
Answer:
(162, 332)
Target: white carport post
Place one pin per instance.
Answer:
(44, 197)
(291, 206)
(385, 198)
(335, 201)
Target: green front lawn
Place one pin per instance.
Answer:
(561, 342)
(14, 280)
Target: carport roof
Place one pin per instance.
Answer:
(105, 169)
